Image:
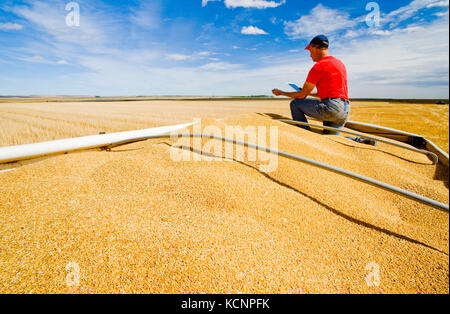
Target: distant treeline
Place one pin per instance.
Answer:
(190, 98)
(391, 100)
(411, 101)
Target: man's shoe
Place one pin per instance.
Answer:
(363, 141)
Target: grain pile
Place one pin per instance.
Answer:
(134, 221)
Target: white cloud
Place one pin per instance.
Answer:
(403, 13)
(204, 54)
(142, 56)
(177, 57)
(409, 29)
(252, 30)
(42, 60)
(49, 18)
(381, 32)
(439, 4)
(194, 56)
(440, 14)
(10, 27)
(416, 67)
(36, 59)
(219, 66)
(257, 4)
(352, 33)
(147, 15)
(321, 20)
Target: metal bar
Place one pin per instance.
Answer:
(432, 155)
(443, 156)
(414, 139)
(363, 125)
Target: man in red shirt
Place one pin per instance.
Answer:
(330, 77)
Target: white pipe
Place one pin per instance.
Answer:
(443, 156)
(6, 170)
(29, 151)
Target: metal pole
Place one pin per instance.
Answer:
(433, 156)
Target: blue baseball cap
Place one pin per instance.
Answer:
(320, 40)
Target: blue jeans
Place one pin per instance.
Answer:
(333, 112)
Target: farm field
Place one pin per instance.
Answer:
(22, 123)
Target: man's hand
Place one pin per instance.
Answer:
(302, 94)
(277, 92)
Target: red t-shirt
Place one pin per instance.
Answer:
(330, 77)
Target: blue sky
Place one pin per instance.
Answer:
(220, 47)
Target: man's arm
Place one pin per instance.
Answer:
(302, 94)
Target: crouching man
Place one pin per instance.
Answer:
(329, 75)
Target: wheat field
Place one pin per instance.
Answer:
(30, 122)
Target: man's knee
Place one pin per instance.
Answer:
(295, 103)
(292, 104)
